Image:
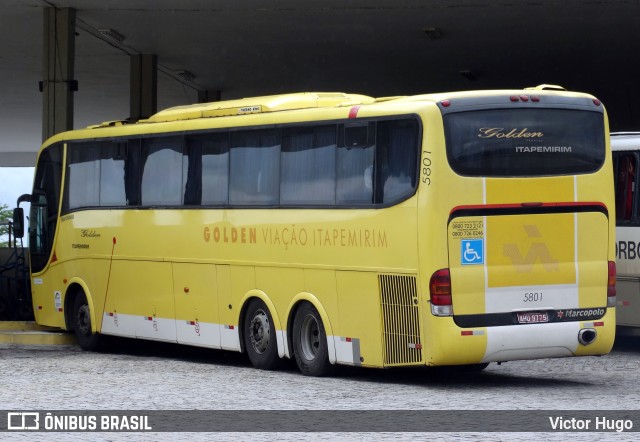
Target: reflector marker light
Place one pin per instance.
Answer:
(353, 112)
(472, 332)
(445, 103)
(611, 285)
(416, 346)
(524, 98)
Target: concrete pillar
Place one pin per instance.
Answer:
(144, 86)
(57, 70)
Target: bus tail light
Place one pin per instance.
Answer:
(440, 291)
(611, 285)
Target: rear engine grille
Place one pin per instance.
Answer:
(400, 317)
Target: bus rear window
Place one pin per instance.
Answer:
(525, 142)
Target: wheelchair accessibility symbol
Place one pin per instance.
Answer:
(472, 251)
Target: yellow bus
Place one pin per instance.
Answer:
(444, 229)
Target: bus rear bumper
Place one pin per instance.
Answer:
(538, 341)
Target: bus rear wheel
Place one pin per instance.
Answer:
(260, 336)
(310, 342)
(82, 325)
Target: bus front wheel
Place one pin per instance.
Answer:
(310, 342)
(82, 325)
(260, 336)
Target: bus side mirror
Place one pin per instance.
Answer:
(18, 222)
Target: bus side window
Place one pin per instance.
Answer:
(308, 166)
(82, 186)
(162, 170)
(355, 165)
(95, 175)
(112, 170)
(254, 177)
(206, 161)
(396, 160)
(626, 168)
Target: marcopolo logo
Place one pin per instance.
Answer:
(580, 313)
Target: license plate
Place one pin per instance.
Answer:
(532, 318)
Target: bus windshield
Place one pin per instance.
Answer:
(524, 142)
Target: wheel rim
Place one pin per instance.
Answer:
(310, 337)
(260, 332)
(84, 320)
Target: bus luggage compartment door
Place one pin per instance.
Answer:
(516, 268)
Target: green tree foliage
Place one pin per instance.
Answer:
(6, 214)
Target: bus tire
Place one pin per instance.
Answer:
(310, 342)
(259, 336)
(82, 325)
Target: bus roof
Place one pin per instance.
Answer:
(317, 100)
(625, 141)
(271, 103)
